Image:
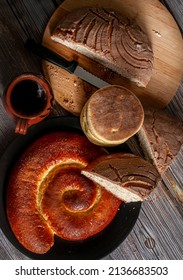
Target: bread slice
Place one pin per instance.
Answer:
(161, 137)
(111, 116)
(128, 177)
(107, 37)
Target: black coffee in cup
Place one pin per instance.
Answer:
(28, 98)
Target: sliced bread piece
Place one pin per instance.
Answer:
(107, 37)
(127, 176)
(161, 137)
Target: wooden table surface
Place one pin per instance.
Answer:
(158, 232)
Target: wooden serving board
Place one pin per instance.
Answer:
(166, 40)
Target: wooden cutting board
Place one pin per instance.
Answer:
(166, 40)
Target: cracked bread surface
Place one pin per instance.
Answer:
(161, 137)
(109, 38)
(130, 177)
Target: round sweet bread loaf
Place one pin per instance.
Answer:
(111, 116)
(47, 195)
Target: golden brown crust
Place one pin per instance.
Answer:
(47, 195)
(111, 116)
(82, 206)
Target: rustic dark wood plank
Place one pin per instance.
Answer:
(176, 9)
(174, 176)
(13, 56)
(158, 225)
(158, 231)
(18, 21)
(32, 18)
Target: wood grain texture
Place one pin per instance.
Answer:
(165, 39)
(160, 218)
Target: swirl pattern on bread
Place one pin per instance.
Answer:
(47, 195)
(108, 37)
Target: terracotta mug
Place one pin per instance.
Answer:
(28, 99)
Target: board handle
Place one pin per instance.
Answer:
(47, 54)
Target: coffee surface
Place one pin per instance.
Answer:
(28, 98)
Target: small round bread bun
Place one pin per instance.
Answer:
(111, 116)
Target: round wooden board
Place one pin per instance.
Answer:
(166, 40)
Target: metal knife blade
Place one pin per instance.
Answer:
(90, 78)
(70, 66)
